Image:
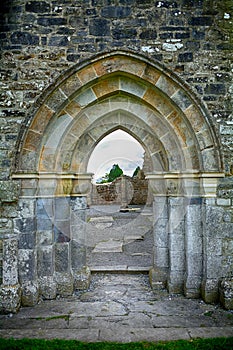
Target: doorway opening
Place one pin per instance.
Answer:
(118, 163)
(119, 237)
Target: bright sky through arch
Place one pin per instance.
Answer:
(116, 148)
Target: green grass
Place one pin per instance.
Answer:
(56, 344)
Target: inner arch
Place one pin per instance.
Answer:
(120, 148)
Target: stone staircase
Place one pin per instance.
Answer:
(120, 241)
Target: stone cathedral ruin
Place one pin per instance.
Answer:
(73, 72)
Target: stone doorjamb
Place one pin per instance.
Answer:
(179, 234)
(51, 229)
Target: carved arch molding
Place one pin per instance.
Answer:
(124, 90)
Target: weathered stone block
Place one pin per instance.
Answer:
(224, 201)
(78, 255)
(148, 34)
(9, 191)
(27, 241)
(226, 293)
(158, 278)
(215, 89)
(25, 225)
(82, 278)
(210, 290)
(99, 27)
(24, 38)
(44, 224)
(45, 261)
(115, 11)
(65, 284)
(124, 33)
(201, 21)
(60, 40)
(37, 7)
(48, 287)
(181, 99)
(62, 208)
(10, 263)
(30, 293)
(161, 257)
(44, 238)
(185, 57)
(10, 297)
(62, 231)
(176, 282)
(44, 208)
(26, 207)
(6, 226)
(27, 265)
(62, 257)
(51, 21)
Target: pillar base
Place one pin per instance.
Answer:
(48, 288)
(158, 278)
(226, 294)
(176, 282)
(65, 284)
(10, 298)
(210, 291)
(30, 293)
(82, 278)
(192, 288)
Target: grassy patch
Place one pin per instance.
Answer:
(65, 317)
(56, 344)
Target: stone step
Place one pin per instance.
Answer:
(123, 259)
(114, 246)
(119, 268)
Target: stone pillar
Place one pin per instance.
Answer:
(212, 244)
(10, 291)
(25, 227)
(158, 274)
(62, 266)
(45, 247)
(212, 239)
(176, 244)
(78, 248)
(193, 247)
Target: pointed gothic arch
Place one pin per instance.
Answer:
(126, 90)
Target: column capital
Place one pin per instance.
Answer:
(55, 183)
(184, 183)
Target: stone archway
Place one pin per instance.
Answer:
(128, 91)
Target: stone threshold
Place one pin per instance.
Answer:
(121, 269)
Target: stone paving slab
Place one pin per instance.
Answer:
(112, 245)
(119, 335)
(143, 334)
(121, 308)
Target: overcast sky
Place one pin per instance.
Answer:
(116, 148)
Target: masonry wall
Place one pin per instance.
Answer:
(39, 40)
(111, 193)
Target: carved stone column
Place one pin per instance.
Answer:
(212, 239)
(158, 274)
(78, 246)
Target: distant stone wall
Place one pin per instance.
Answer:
(111, 193)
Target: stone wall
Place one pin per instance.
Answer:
(111, 193)
(40, 40)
